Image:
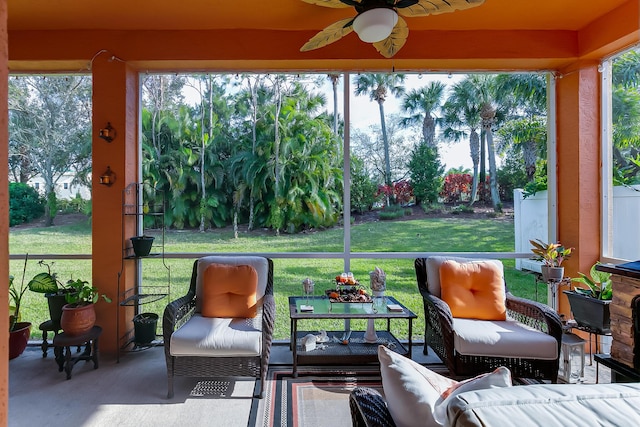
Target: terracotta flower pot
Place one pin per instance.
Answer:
(77, 320)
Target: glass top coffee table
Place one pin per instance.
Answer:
(346, 346)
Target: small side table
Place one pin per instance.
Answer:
(62, 349)
(46, 327)
(572, 353)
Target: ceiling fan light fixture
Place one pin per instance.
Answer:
(375, 25)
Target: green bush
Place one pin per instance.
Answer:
(433, 208)
(75, 205)
(25, 204)
(391, 212)
(456, 210)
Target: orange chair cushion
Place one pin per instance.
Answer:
(229, 291)
(473, 290)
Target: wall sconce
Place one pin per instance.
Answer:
(108, 177)
(108, 133)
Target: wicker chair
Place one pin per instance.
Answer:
(439, 332)
(221, 360)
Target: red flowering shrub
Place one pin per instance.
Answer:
(455, 185)
(400, 193)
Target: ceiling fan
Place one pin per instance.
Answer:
(378, 22)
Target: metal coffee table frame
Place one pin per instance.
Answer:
(356, 351)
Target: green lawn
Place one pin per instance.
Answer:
(427, 235)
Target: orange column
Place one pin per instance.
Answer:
(115, 101)
(579, 162)
(4, 218)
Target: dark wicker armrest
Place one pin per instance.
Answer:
(177, 313)
(368, 408)
(441, 312)
(268, 323)
(535, 315)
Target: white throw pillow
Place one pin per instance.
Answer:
(500, 377)
(410, 389)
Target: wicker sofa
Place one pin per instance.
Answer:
(549, 405)
(415, 396)
(440, 334)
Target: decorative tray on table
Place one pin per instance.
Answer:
(348, 292)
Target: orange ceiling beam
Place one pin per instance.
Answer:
(275, 49)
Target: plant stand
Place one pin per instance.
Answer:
(62, 348)
(46, 327)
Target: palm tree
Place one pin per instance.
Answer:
(420, 105)
(334, 78)
(377, 86)
(462, 119)
(485, 91)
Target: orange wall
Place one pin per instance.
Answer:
(115, 100)
(4, 218)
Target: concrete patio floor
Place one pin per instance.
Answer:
(133, 392)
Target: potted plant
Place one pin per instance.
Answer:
(590, 305)
(19, 332)
(79, 315)
(552, 255)
(55, 291)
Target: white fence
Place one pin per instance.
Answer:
(531, 222)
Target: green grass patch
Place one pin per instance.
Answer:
(425, 235)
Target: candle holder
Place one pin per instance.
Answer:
(107, 133)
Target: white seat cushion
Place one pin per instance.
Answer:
(502, 339)
(217, 337)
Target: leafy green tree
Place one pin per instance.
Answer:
(626, 118)
(370, 146)
(363, 187)
(527, 138)
(426, 173)
(526, 129)
(511, 175)
(378, 86)
(49, 129)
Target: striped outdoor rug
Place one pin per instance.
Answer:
(319, 397)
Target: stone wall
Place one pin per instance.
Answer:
(625, 289)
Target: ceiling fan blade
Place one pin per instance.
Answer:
(332, 33)
(436, 7)
(331, 3)
(392, 44)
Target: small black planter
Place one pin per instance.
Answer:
(56, 302)
(144, 326)
(589, 312)
(142, 245)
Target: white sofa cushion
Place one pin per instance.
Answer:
(261, 264)
(549, 405)
(433, 264)
(217, 337)
(418, 397)
(502, 339)
(411, 390)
